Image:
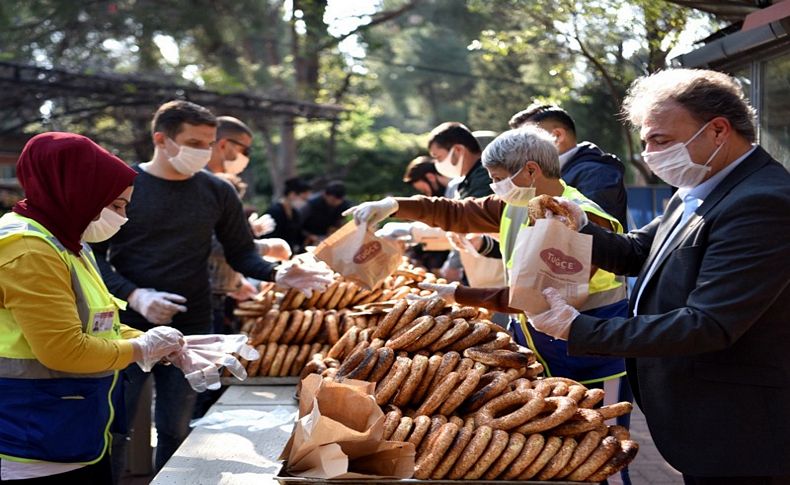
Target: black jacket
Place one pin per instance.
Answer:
(599, 176)
(707, 354)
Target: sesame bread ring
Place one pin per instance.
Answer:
(449, 362)
(495, 448)
(466, 312)
(421, 426)
(586, 447)
(279, 327)
(435, 306)
(348, 295)
(440, 394)
(419, 365)
(262, 334)
(552, 446)
(619, 432)
(514, 446)
(300, 360)
(500, 341)
(479, 333)
(605, 450)
(458, 446)
(391, 422)
(539, 205)
(307, 322)
(267, 358)
(562, 408)
(332, 329)
(277, 362)
(311, 302)
(441, 324)
(558, 461)
(429, 461)
(463, 391)
(288, 361)
(591, 398)
(458, 330)
(384, 361)
(493, 384)
(315, 327)
(529, 403)
(473, 451)
(434, 361)
(403, 429)
(623, 456)
(388, 386)
(364, 368)
(533, 370)
(582, 421)
(419, 327)
(390, 319)
(437, 421)
(292, 327)
(254, 366)
(328, 294)
(297, 301)
(413, 311)
(337, 295)
(615, 410)
(530, 451)
(288, 297)
(499, 358)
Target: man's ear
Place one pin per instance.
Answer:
(159, 139)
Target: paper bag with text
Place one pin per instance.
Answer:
(339, 434)
(357, 254)
(549, 255)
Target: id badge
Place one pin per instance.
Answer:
(102, 322)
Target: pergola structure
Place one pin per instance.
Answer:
(24, 88)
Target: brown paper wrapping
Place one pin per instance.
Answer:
(357, 254)
(549, 255)
(339, 434)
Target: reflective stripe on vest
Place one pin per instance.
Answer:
(605, 287)
(20, 370)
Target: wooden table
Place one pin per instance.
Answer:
(234, 455)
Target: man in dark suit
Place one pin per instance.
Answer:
(707, 342)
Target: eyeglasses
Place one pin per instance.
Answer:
(245, 149)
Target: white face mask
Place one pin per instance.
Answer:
(188, 160)
(237, 165)
(447, 168)
(105, 227)
(512, 194)
(674, 165)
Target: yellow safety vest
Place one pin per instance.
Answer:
(605, 288)
(73, 412)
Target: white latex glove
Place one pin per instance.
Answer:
(204, 355)
(158, 307)
(395, 230)
(371, 213)
(274, 248)
(156, 344)
(261, 225)
(304, 277)
(556, 321)
(445, 291)
(245, 292)
(578, 214)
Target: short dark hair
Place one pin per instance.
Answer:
(453, 133)
(537, 113)
(171, 116)
(336, 188)
(296, 185)
(418, 168)
(228, 126)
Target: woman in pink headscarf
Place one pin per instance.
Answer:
(61, 343)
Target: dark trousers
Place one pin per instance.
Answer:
(99, 473)
(175, 402)
(689, 480)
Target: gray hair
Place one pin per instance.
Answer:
(704, 94)
(514, 148)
